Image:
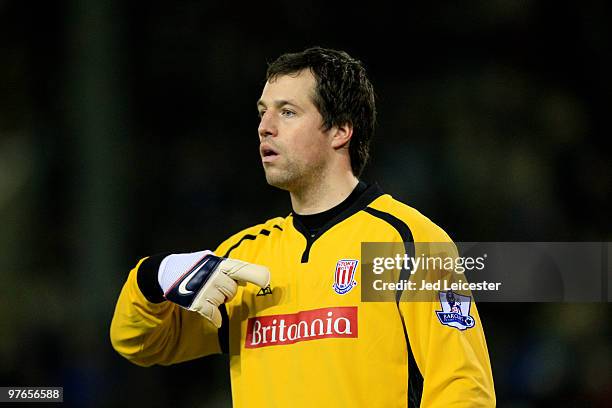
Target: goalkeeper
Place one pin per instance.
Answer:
(283, 298)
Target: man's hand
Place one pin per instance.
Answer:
(201, 281)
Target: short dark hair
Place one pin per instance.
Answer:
(343, 94)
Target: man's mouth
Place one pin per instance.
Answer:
(267, 153)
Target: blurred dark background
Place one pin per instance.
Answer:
(129, 128)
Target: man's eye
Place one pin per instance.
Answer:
(288, 113)
(260, 114)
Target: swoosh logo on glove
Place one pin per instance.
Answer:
(182, 289)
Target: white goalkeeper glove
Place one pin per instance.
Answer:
(202, 281)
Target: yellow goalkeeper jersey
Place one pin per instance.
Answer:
(308, 340)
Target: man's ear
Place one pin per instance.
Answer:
(341, 135)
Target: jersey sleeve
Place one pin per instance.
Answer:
(148, 333)
(163, 333)
(452, 359)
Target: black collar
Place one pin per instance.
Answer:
(314, 222)
(359, 199)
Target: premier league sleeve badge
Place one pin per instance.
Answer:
(455, 310)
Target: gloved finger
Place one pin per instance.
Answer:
(215, 317)
(226, 285)
(214, 296)
(246, 272)
(209, 311)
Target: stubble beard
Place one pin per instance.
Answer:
(295, 176)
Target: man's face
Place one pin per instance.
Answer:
(293, 146)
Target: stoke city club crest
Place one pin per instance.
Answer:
(344, 276)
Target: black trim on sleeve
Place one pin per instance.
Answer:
(249, 237)
(406, 235)
(223, 332)
(415, 377)
(146, 277)
(237, 244)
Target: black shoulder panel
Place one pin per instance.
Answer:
(415, 377)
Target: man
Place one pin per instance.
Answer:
(305, 338)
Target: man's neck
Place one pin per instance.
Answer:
(323, 194)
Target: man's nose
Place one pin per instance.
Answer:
(267, 126)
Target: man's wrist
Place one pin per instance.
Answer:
(146, 277)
